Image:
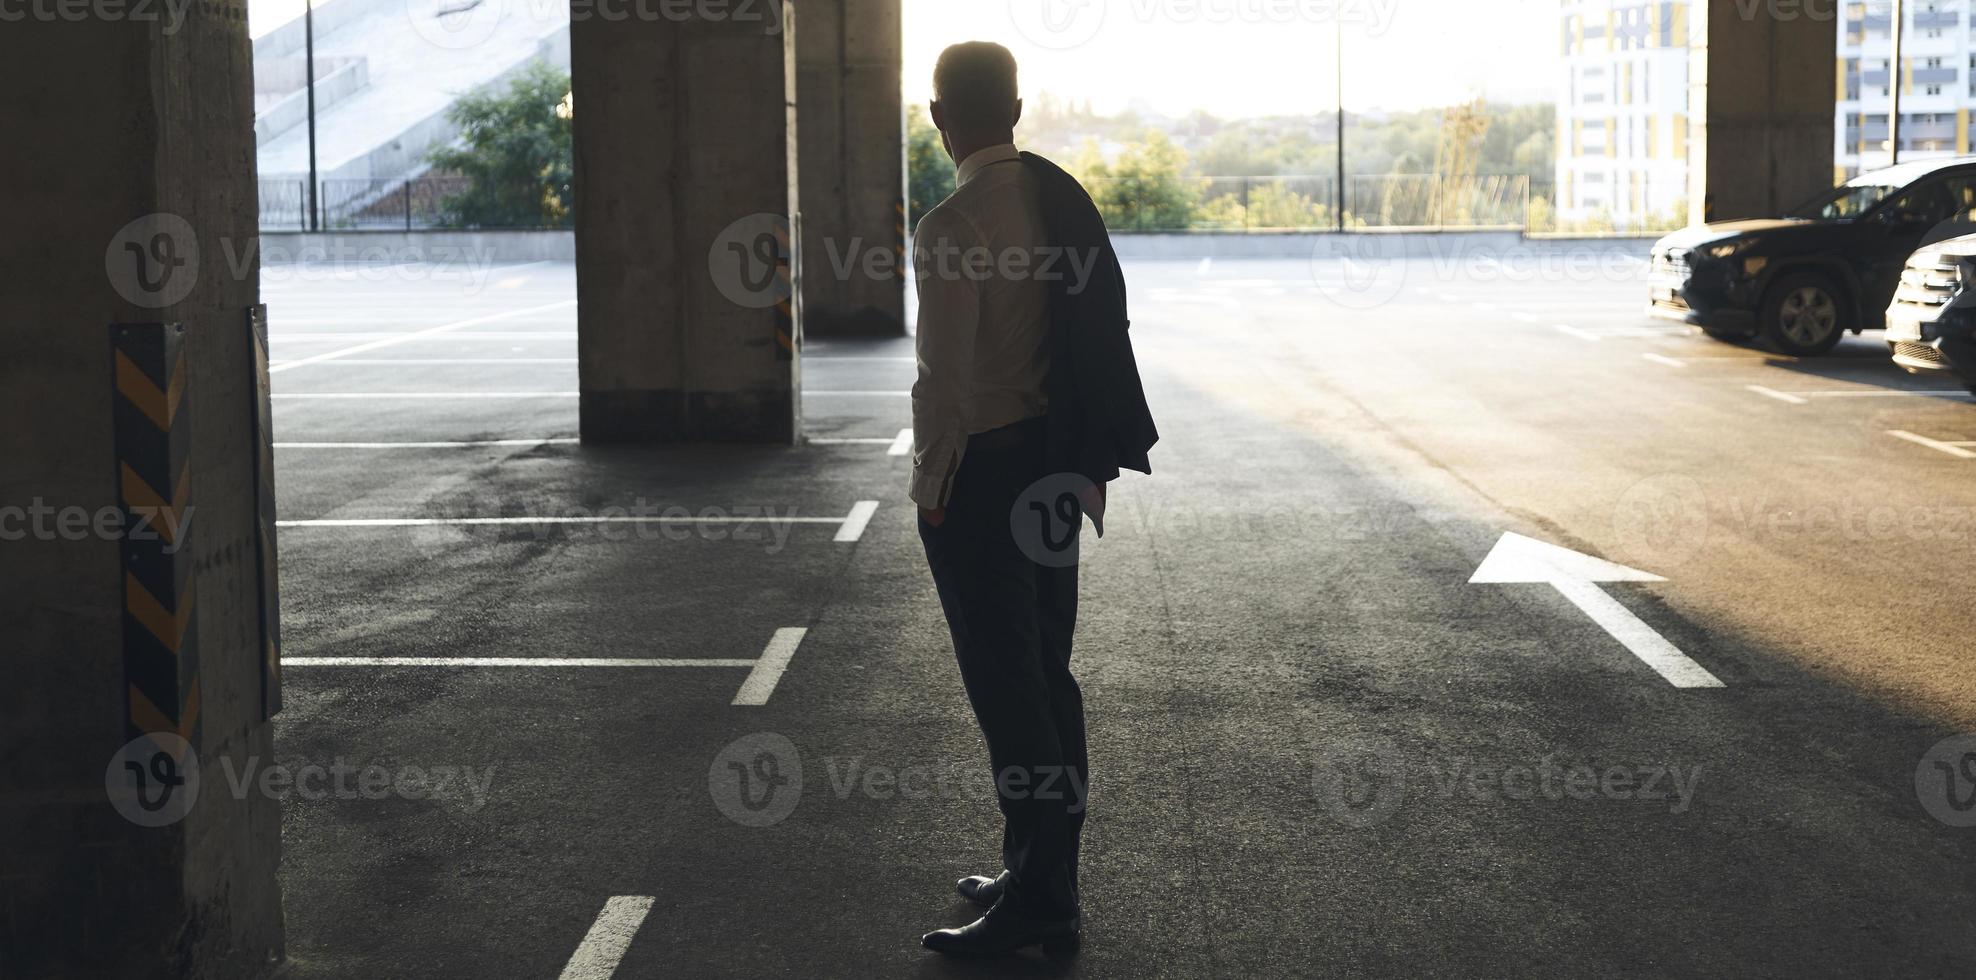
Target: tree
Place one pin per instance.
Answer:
(1145, 189)
(514, 148)
(930, 173)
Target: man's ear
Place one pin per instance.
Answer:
(938, 113)
(1018, 114)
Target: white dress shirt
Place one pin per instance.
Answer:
(984, 315)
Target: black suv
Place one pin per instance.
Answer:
(1799, 282)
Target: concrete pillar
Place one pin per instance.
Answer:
(1761, 80)
(851, 116)
(131, 195)
(688, 323)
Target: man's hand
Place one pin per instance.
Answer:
(934, 516)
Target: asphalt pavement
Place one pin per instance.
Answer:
(691, 711)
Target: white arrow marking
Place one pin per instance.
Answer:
(1517, 559)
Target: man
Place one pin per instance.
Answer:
(1027, 400)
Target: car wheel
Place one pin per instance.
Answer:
(1803, 315)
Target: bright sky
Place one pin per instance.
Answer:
(1240, 58)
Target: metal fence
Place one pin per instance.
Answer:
(1311, 203)
(345, 205)
(1286, 203)
(1621, 204)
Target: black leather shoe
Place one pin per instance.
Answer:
(1003, 931)
(983, 890)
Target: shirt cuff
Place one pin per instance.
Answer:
(934, 472)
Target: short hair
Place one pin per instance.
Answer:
(975, 83)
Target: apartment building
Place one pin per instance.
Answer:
(1937, 77)
(1623, 111)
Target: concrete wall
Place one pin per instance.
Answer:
(851, 120)
(479, 247)
(1763, 83)
(1402, 244)
(291, 38)
(686, 165)
(336, 81)
(126, 120)
(405, 154)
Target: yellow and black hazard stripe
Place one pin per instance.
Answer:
(787, 288)
(154, 491)
(265, 552)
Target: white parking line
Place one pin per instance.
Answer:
(1569, 330)
(462, 361)
(427, 395)
(422, 395)
(1886, 393)
(1525, 317)
(517, 521)
(898, 445)
(344, 337)
(1664, 359)
(764, 672)
(850, 527)
(1960, 450)
(427, 445)
(509, 662)
(597, 957)
(1804, 397)
(855, 522)
(420, 335)
(768, 670)
(1788, 399)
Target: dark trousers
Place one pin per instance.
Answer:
(1011, 620)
